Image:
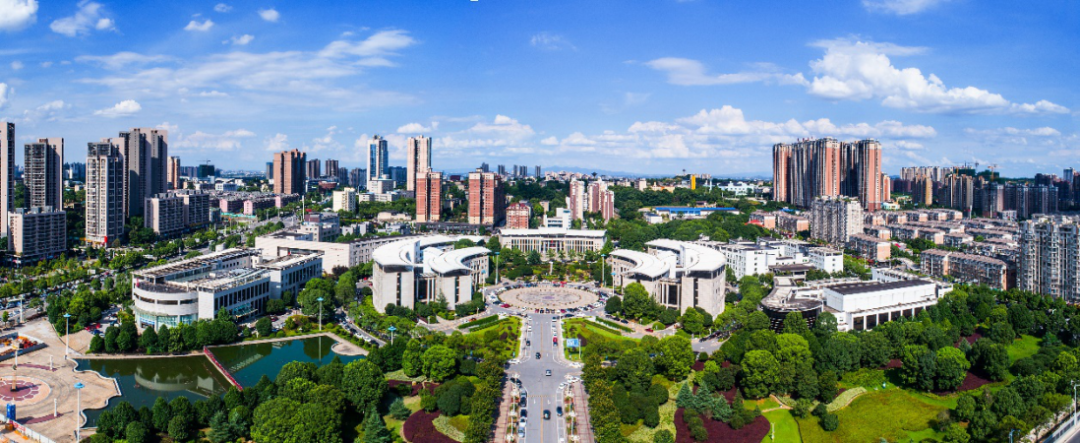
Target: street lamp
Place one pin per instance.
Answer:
(391, 329)
(603, 271)
(320, 313)
(497, 267)
(78, 408)
(67, 334)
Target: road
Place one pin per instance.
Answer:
(543, 391)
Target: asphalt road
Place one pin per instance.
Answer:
(543, 391)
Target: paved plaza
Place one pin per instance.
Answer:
(548, 297)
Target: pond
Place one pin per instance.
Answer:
(143, 380)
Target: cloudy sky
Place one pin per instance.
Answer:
(638, 86)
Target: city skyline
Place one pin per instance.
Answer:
(526, 84)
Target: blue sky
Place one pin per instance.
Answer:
(648, 86)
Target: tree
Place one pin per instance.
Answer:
(295, 369)
(398, 409)
(952, 367)
(956, 434)
(148, 340)
(161, 414)
(795, 324)
(363, 384)
(830, 422)
(669, 316)
(375, 428)
(412, 361)
(827, 384)
(125, 340)
(692, 321)
(636, 302)
(920, 367)
(273, 420)
(760, 372)
(757, 321)
(634, 369)
(675, 357)
(1002, 332)
(264, 327)
(990, 358)
(179, 428)
(439, 362)
(136, 432)
(613, 305)
(97, 344)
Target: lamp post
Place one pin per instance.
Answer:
(603, 271)
(320, 313)
(67, 334)
(78, 408)
(497, 267)
(391, 329)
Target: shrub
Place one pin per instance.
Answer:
(663, 436)
(820, 410)
(802, 408)
(398, 409)
(830, 422)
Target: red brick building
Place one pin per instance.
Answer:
(428, 196)
(518, 215)
(487, 201)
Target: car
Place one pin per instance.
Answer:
(537, 355)
(547, 414)
(547, 372)
(648, 330)
(505, 305)
(558, 411)
(528, 342)
(524, 413)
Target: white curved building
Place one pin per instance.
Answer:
(677, 274)
(418, 270)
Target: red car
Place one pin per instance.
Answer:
(505, 305)
(648, 330)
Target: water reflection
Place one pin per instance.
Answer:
(143, 380)
(248, 363)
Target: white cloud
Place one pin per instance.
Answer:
(293, 78)
(417, 128)
(687, 72)
(551, 42)
(277, 143)
(122, 109)
(47, 112)
(503, 125)
(212, 94)
(88, 16)
(241, 40)
(226, 141)
(16, 65)
(121, 59)
(16, 15)
(900, 7)
(223, 8)
(270, 15)
(550, 141)
(5, 94)
(862, 71)
(194, 25)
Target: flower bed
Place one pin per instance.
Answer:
(754, 432)
(416, 387)
(420, 428)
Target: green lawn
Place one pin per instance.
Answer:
(763, 404)
(1026, 346)
(893, 414)
(785, 428)
(592, 335)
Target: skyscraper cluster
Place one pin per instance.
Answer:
(595, 197)
(827, 167)
(39, 230)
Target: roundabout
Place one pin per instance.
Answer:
(548, 297)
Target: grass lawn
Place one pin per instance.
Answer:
(460, 422)
(893, 414)
(628, 430)
(765, 403)
(784, 426)
(1026, 346)
(591, 334)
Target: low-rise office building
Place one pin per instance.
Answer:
(334, 255)
(863, 305)
(826, 259)
(553, 240)
(424, 269)
(678, 275)
(290, 273)
(744, 259)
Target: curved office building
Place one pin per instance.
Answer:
(678, 275)
(420, 269)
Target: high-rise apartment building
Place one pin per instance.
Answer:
(37, 233)
(313, 170)
(487, 202)
(827, 167)
(378, 158)
(344, 200)
(44, 173)
(174, 172)
(538, 175)
(145, 152)
(600, 199)
(1050, 257)
(518, 215)
(7, 174)
(164, 213)
(269, 170)
(289, 172)
(959, 193)
(835, 219)
(428, 189)
(965, 268)
(104, 193)
(417, 159)
(922, 194)
(196, 208)
(501, 169)
(575, 201)
(331, 169)
(358, 178)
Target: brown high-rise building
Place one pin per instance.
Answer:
(174, 172)
(827, 167)
(44, 173)
(417, 159)
(104, 194)
(429, 197)
(518, 215)
(289, 168)
(145, 152)
(487, 203)
(331, 169)
(7, 174)
(313, 169)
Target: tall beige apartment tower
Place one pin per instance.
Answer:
(7, 174)
(44, 173)
(145, 152)
(417, 160)
(289, 169)
(428, 197)
(174, 172)
(104, 193)
(575, 202)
